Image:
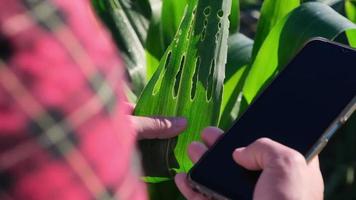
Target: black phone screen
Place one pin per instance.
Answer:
(295, 110)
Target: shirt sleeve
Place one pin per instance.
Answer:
(64, 130)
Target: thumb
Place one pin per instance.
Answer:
(243, 157)
(264, 153)
(158, 127)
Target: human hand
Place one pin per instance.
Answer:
(157, 127)
(286, 174)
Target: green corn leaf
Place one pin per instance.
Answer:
(235, 16)
(167, 15)
(172, 13)
(271, 13)
(350, 10)
(238, 58)
(163, 190)
(287, 37)
(337, 5)
(155, 44)
(128, 22)
(164, 26)
(189, 83)
(328, 2)
(152, 64)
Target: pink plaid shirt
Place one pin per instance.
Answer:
(64, 133)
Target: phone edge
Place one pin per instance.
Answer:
(208, 193)
(331, 130)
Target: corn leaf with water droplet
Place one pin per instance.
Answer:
(189, 83)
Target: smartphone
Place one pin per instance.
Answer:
(302, 108)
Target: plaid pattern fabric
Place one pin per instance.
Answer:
(63, 129)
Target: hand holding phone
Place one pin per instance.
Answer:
(286, 174)
(302, 108)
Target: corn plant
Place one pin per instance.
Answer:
(188, 82)
(187, 58)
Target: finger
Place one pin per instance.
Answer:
(210, 135)
(158, 127)
(264, 153)
(196, 151)
(314, 163)
(130, 106)
(185, 189)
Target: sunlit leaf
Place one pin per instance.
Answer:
(272, 12)
(235, 16)
(238, 58)
(163, 27)
(172, 13)
(350, 9)
(155, 45)
(287, 37)
(189, 83)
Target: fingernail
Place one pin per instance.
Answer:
(180, 122)
(237, 152)
(195, 143)
(181, 175)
